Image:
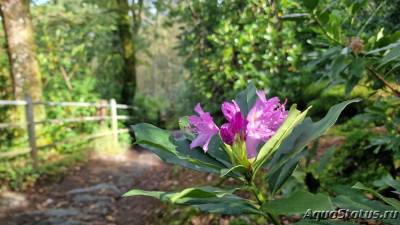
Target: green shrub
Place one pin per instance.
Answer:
(321, 100)
(350, 126)
(354, 162)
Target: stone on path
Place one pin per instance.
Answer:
(90, 198)
(12, 200)
(58, 221)
(103, 188)
(54, 213)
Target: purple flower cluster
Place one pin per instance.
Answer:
(261, 123)
(204, 127)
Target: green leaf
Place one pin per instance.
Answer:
(394, 184)
(392, 55)
(395, 67)
(337, 66)
(246, 99)
(294, 117)
(382, 49)
(163, 144)
(328, 54)
(303, 134)
(240, 169)
(351, 83)
(310, 4)
(395, 203)
(323, 18)
(347, 191)
(312, 152)
(356, 7)
(369, 19)
(299, 202)
(184, 122)
(382, 183)
(356, 204)
(210, 199)
(279, 178)
(325, 159)
(357, 68)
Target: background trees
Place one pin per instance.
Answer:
(21, 49)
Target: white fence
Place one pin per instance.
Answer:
(30, 123)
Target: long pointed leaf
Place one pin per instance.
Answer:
(210, 199)
(299, 202)
(294, 117)
(246, 99)
(280, 177)
(175, 151)
(356, 204)
(395, 203)
(303, 134)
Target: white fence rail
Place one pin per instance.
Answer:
(30, 123)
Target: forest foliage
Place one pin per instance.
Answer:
(169, 55)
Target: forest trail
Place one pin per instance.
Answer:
(91, 194)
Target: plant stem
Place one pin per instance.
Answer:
(373, 72)
(325, 31)
(274, 219)
(261, 201)
(258, 195)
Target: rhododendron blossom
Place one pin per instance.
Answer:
(236, 122)
(263, 120)
(203, 126)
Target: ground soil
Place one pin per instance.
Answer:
(91, 193)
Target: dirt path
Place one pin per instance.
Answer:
(91, 195)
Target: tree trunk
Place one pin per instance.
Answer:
(21, 48)
(128, 48)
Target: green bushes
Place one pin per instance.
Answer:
(19, 174)
(355, 162)
(321, 100)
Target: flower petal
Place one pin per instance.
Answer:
(200, 139)
(237, 122)
(198, 109)
(230, 110)
(203, 126)
(226, 134)
(251, 146)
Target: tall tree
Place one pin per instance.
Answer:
(128, 49)
(21, 48)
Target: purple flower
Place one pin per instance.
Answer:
(263, 121)
(203, 126)
(236, 122)
(227, 135)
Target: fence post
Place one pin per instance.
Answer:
(31, 129)
(114, 121)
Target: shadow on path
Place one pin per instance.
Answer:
(91, 195)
